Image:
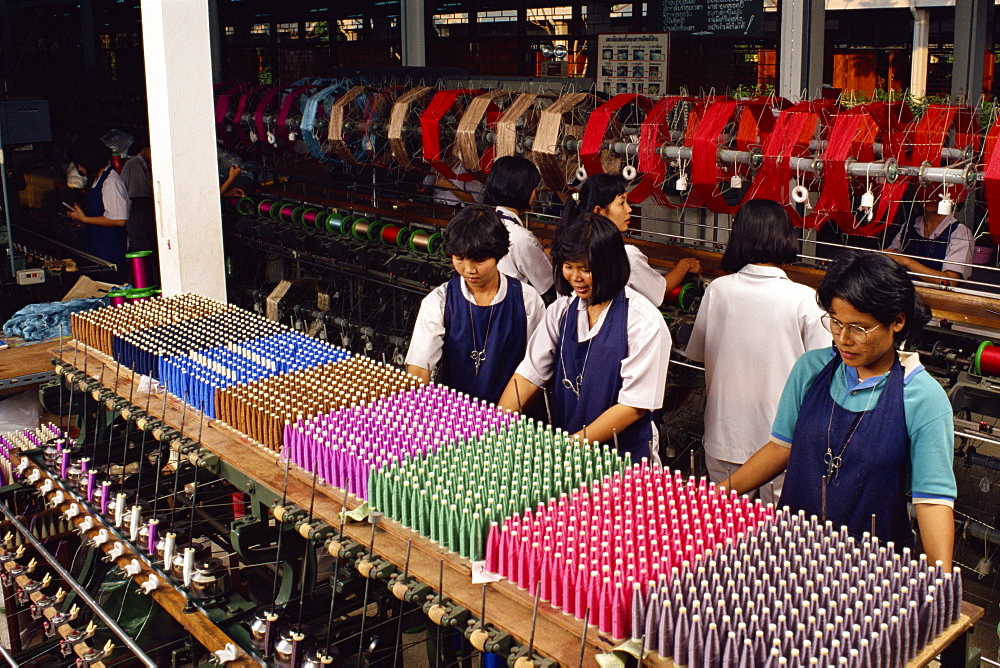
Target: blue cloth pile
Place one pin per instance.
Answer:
(37, 322)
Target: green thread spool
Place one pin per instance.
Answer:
(423, 241)
(359, 228)
(245, 206)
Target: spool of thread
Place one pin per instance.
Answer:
(117, 297)
(423, 241)
(987, 360)
(139, 266)
(360, 227)
(286, 212)
(264, 208)
(314, 218)
(333, 222)
(684, 296)
(390, 234)
(245, 206)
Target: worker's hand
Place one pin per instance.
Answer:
(75, 213)
(690, 265)
(234, 171)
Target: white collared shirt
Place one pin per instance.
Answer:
(137, 177)
(643, 371)
(751, 328)
(960, 245)
(115, 197)
(526, 260)
(645, 280)
(427, 341)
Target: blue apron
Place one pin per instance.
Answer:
(875, 468)
(107, 243)
(504, 347)
(913, 243)
(599, 361)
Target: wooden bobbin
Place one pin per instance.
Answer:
(436, 613)
(478, 638)
(279, 513)
(334, 547)
(141, 423)
(364, 567)
(524, 662)
(305, 530)
(400, 590)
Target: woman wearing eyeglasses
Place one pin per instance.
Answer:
(755, 292)
(603, 346)
(861, 424)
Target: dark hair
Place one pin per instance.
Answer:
(510, 183)
(873, 283)
(761, 232)
(598, 190)
(593, 239)
(477, 233)
(91, 154)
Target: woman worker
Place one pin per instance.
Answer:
(474, 328)
(941, 245)
(606, 194)
(106, 207)
(862, 422)
(510, 188)
(757, 293)
(604, 346)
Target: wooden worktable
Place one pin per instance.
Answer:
(26, 365)
(558, 635)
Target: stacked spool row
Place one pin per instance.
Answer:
(199, 374)
(589, 549)
(350, 225)
(344, 445)
(454, 495)
(97, 328)
(144, 350)
(798, 593)
(600, 534)
(261, 409)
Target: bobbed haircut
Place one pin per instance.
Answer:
(761, 232)
(598, 190)
(476, 233)
(594, 240)
(91, 154)
(510, 183)
(873, 283)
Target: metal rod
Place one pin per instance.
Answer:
(548, 408)
(534, 620)
(399, 629)
(823, 499)
(8, 658)
(281, 531)
(583, 636)
(65, 575)
(305, 550)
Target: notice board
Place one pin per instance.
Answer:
(633, 63)
(714, 17)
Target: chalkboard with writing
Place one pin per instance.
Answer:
(713, 17)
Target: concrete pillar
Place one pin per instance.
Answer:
(182, 138)
(215, 38)
(972, 18)
(801, 50)
(920, 57)
(413, 25)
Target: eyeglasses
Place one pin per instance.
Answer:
(855, 333)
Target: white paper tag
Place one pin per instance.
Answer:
(481, 576)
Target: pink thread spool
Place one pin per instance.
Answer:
(139, 266)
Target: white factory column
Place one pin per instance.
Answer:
(801, 51)
(175, 36)
(920, 55)
(413, 25)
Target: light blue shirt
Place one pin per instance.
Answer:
(929, 419)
